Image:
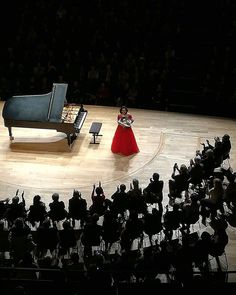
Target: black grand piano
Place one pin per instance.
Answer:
(45, 111)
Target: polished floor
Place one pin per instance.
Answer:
(39, 161)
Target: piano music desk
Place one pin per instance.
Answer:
(95, 129)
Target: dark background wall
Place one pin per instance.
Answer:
(164, 54)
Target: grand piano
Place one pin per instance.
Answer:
(45, 111)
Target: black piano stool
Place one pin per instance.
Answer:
(95, 129)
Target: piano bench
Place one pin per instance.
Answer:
(95, 129)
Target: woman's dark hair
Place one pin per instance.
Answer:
(124, 107)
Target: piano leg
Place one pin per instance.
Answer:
(71, 138)
(68, 139)
(10, 133)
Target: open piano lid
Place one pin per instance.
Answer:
(37, 108)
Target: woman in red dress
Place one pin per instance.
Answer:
(124, 141)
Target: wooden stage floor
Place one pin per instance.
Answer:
(40, 161)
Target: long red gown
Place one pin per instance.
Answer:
(124, 141)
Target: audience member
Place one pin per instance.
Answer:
(92, 235)
(67, 238)
(153, 193)
(98, 200)
(15, 209)
(120, 200)
(47, 238)
(215, 200)
(37, 212)
(136, 200)
(57, 210)
(77, 208)
(179, 182)
(19, 238)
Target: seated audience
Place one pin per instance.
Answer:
(208, 162)
(214, 201)
(153, 223)
(91, 235)
(219, 240)
(47, 238)
(111, 229)
(67, 238)
(15, 209)
(57, 210)
(172, 221)
(37, 212)
(190, 212)
(196, 171)
(20, 240)
(132, 230)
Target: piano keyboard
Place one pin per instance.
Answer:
(80, 120)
